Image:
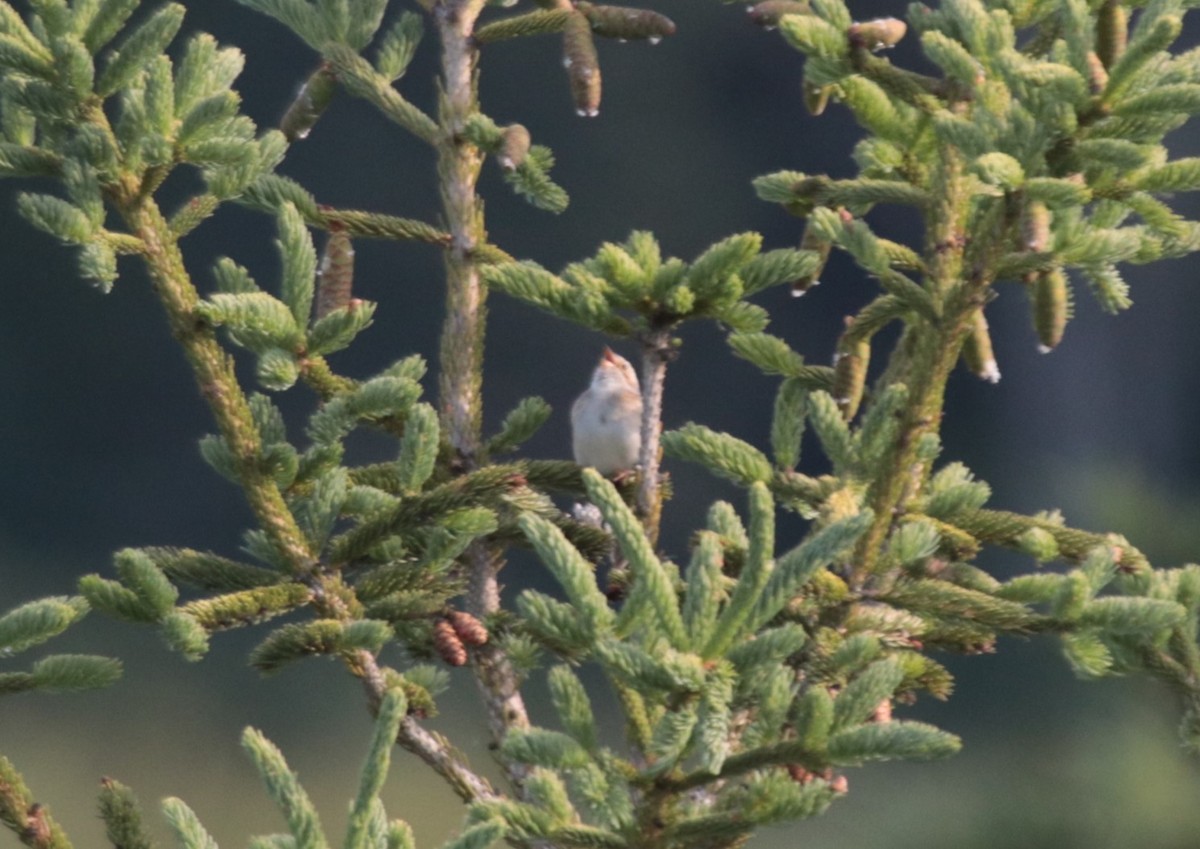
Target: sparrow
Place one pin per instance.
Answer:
(606, 420)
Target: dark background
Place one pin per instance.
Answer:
(99, 421)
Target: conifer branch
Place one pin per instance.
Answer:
(271, 192)
(123, 243)
(532, 23)
(656, 353)
(746, 678)
(461, 379)
(374, 225)
(30, 821)
(935, 351)
(787, 752)
(315, 371)
(214, 373)
(1000, 527)
(459, 162)
(432, 748)
(362, 80)
(437, 752)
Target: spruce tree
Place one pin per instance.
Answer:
(752, 668)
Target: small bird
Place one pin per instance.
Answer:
(606, 420)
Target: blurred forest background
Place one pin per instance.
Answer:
(99, 421)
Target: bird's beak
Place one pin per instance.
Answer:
(609, 355)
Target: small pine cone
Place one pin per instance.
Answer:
(767, 13)
(1035, 227)
(816, 98)
(311, 102)
(878, 34)
(582, 64)
(624, 23)
(812, 241)
(798, 773)
(1112, 32)
(1051, 308)
(514, 147)
(448, 644)
(977, 351)
(469, 629)
(850, 371)
(335, 277)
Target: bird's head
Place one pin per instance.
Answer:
(614, 372)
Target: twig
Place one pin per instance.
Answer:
(214, 373)
(461, 379)
(928, 368)
(429, 747)
(656, 352)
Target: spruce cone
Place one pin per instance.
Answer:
(448, 644)
(468, 629)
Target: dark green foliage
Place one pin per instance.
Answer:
(115, 599)
(29, 820)
(418, 448)
(284, 788)
(122, 816)
(572, 570)
(145, 42)
(336, 330)
(859, 700)
(299, 264)
(519, 425)
(653, 587)
(139, 573)
(398, 44)
(891, 740)
(377, 398)
(32, 624)
(375, 770)
(186, 826)
(185, 634)
(247, 606)
(208, 571)
(361, 80)
(63, 672)
(724, 455)
(37, 621)
(255, 320)
(19, 161)
(632, 278)
(319, 637)
(56, 217)
(545, 748)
